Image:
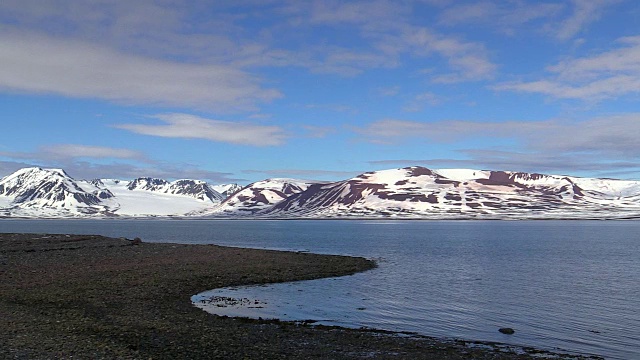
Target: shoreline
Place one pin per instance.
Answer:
(87, 296)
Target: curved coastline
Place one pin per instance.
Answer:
(96, 297)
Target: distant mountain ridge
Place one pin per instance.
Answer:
(35, 192)
(52, 188)
(195, 188)
(406, 193)
(227, 190)
(260, 197)
(421, 193)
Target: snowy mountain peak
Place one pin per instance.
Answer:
(51, 192)
(226, 190)
(418, 192)
(194, 188)
(50, 188)
(260, 196)
(147, 183)
(33, 174)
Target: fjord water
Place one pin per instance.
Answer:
(562, 285)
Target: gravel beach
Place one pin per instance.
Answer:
(91, 297)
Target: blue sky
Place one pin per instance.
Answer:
(245, 90)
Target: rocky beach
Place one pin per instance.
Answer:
(92, 297)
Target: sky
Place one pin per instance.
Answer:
(239, 91)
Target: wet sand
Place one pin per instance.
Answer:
(91, 297)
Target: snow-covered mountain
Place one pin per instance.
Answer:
(413, 192)
(51, 191)
(194, 188)
(36, 192)
(258, 197)
(417, 192)
(226, 190)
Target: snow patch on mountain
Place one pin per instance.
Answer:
(53, 189)
(259, 196)
(227, 190)
(413, 192)
(37, 192)
(144, 203)
(418, 192)
(197, 189)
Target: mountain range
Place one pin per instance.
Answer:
(406, 193)
(37, 192)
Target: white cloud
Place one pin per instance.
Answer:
(558, 164)
(81, 169)
(194, 127)
(623, 60)
(584, 13)
(43, 64)
(468, 61)
(387, 33)
(357, 12)
(421, 100)
(318, 131)
(599, 144)
(506, 16)
(68, 152)
(562, 20)
(609, 74)
(393, 130)
(191, 64)
(615, 136)
(9, 167)
(332, 107)
(85, 151)
(305, 173)
(388, 91)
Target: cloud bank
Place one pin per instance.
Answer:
(48, 65)
(606, 75)
(605, 145)
(194, 127)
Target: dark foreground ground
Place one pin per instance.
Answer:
(89, 297)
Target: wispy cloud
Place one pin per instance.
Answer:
(357, 12)
(394, 131)
(614, 135)
(609, 74)
(305, 173)
(584, 13)
(80, 167)
(73, 151)
(125, 171)
(8, 167)
(558, 164)
(318, 131)
(389, 91)
(332, 107)
(194, 127)
(152, 52)
(505, 16)
(421, 100)
(387, 33)
(598, 144)
(49, 65)
(467, 61)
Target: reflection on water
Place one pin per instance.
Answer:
(571, 285)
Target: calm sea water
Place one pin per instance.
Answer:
(569, 285)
